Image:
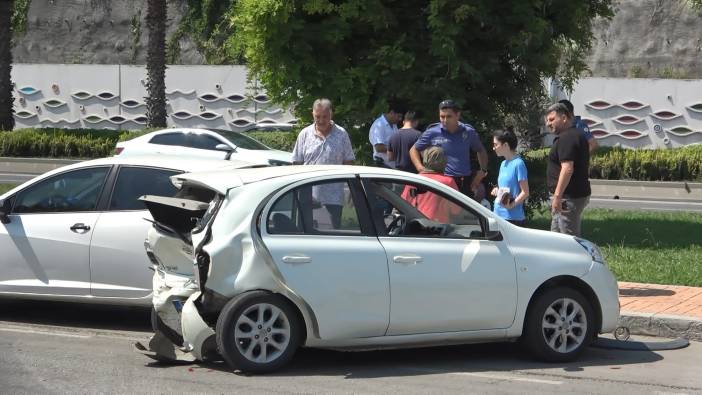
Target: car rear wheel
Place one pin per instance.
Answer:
(258, 332)
(559, 325)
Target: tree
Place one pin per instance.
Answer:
(156, 64)
(7, 121)
(490, 56)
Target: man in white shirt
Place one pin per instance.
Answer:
(381, 130)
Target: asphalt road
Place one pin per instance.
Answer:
(55, 348)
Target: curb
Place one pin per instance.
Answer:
(661, 325)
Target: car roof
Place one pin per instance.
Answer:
(185, 163)
(223, 180)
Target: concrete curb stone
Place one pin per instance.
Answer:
(662, 325)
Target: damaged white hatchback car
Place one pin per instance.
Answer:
(254, 263)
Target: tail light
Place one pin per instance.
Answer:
(118, 150)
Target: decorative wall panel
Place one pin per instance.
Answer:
(113, 97)
(639, 112)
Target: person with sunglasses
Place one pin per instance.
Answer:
(458, 140)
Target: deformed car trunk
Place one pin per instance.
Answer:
(180, 268)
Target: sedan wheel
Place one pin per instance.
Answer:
(559, 325)
(258, 332)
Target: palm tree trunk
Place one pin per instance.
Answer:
(7, 122)
(156, 63)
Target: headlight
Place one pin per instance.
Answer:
(274, 162)
(591, 249)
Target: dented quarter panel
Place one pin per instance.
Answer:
(240, 262)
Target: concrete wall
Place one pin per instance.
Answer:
(112, 97)
(94, 32)
(648, 38)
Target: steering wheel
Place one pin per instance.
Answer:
(396, 226)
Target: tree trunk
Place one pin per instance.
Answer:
(7, 122)
(156, 64)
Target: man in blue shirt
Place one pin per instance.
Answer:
(380, 131)
(457, 139)
(581, 126)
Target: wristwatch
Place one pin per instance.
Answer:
(484, 170)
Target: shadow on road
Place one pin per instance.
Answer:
(494, 357)
(76, 315)
(476, 358)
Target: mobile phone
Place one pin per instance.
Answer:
(567, 205)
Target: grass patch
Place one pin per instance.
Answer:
(643, 246)
(6, 187)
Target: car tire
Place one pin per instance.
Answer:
(158, 325)
(258, 332)
(559, 325)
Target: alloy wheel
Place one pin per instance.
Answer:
(262, 333)
(564, 325)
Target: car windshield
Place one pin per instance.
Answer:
(241, 140)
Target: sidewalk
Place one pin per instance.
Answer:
(661, 310)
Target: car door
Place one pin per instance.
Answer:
(328, 255)
(45, 246)
(118, 264)
(445, 275)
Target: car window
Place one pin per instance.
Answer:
(76, 190)
(203, 141)
(174, 138)
(133, 182)
(318, 208)
(242, 141)
(403, 209)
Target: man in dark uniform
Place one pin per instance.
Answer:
(567, 171)
(457, 139)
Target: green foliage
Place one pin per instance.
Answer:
(208, 24)
(58, 143)
(19, 16)
(490, 56)
(281, 140)
(135, 30)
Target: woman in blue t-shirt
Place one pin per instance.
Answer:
(512, 184)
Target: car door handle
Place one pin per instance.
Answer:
(297, 259)
(80, 226)
(407, 259)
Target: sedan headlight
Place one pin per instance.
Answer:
(274, 162)
(591, 249)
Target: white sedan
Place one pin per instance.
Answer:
(352, 258)
(77, 233)
(204, 143)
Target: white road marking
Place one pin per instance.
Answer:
(490, 376)
(78, 333)
(25, 330)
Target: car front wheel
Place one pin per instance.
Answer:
(559, 325)
(258, 332)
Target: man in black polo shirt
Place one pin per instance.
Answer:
(567, 171)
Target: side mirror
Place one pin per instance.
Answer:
(226, 148)
(4, 211)
(493, 230)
